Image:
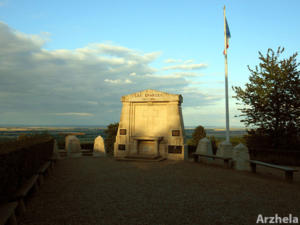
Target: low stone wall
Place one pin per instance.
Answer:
(281, 157)
(19, 161)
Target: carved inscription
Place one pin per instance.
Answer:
(147, 95)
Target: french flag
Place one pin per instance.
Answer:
(227, 36)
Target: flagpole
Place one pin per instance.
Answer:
(226, 80)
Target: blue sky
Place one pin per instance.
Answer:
(66, 62)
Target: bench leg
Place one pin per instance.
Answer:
(289, 176)
(21, 207)
(226, 162)
(12, 220)
(253, 167)
(195, 158)
(35, 187)
(41, 179)
(52, 165)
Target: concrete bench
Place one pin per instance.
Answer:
(225, 159)
(62, 153)
(86, 152)
(7, 213)
(22, 192)
(44, 169)
(288, 171)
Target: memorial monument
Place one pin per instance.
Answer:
(151, 125)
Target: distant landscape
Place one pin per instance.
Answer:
(89, 133)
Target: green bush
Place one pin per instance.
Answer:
(198, 134)
(111, 133)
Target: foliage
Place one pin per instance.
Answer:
(24, 141)
(198, 134)
(271, 100)
(19, 160)
(111, 133)
(213, 144)
(235, 140)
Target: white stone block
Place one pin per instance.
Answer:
(72, 145)
(204, 146)
(241, 157)
(99, 147)
(225, 149)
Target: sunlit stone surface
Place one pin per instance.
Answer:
(225, 149)
(204, 146)
(241, 157)
(72, 146)
(151, 124)
(99, 147)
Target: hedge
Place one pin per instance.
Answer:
(21, 159)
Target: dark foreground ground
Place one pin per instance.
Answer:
(103, 191)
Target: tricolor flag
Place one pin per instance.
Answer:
(227, 35)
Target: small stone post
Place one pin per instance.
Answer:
(241, 157)
(99, 147)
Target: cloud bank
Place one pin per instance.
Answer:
(80, 86)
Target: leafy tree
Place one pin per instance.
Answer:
(271, 100)
(198, 134)
(111, 133)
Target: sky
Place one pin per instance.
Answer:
(69, 62)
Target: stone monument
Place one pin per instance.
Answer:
(72, 146)
(55, 150)
(99, 147)
(225, 149)
(151, 124)
(204, 146)
(241, 157)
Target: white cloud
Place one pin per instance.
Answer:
(127, 81)
(118, 81)
(173, 61)
(74, 114)
(179, 61)
(186, 67)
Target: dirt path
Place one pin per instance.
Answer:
(104, 191)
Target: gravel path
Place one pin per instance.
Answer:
(100, 191)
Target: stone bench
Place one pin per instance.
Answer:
(225, 159)
(22, 192)
(86, 152)
(288, 171)
(7, 213)
(62, 153)
(44, 169)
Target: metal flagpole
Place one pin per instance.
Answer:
(226, 81)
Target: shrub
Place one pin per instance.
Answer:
(19, 160)
(111, 133)
(198, 134)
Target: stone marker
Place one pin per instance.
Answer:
(72, 146)
(241, 157)
(225, 149)
(151, 124)
(204, 146)
(55, 150)
(99, 147)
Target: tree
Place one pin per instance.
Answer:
(271, 99)
(111, 133)
(198, 134)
